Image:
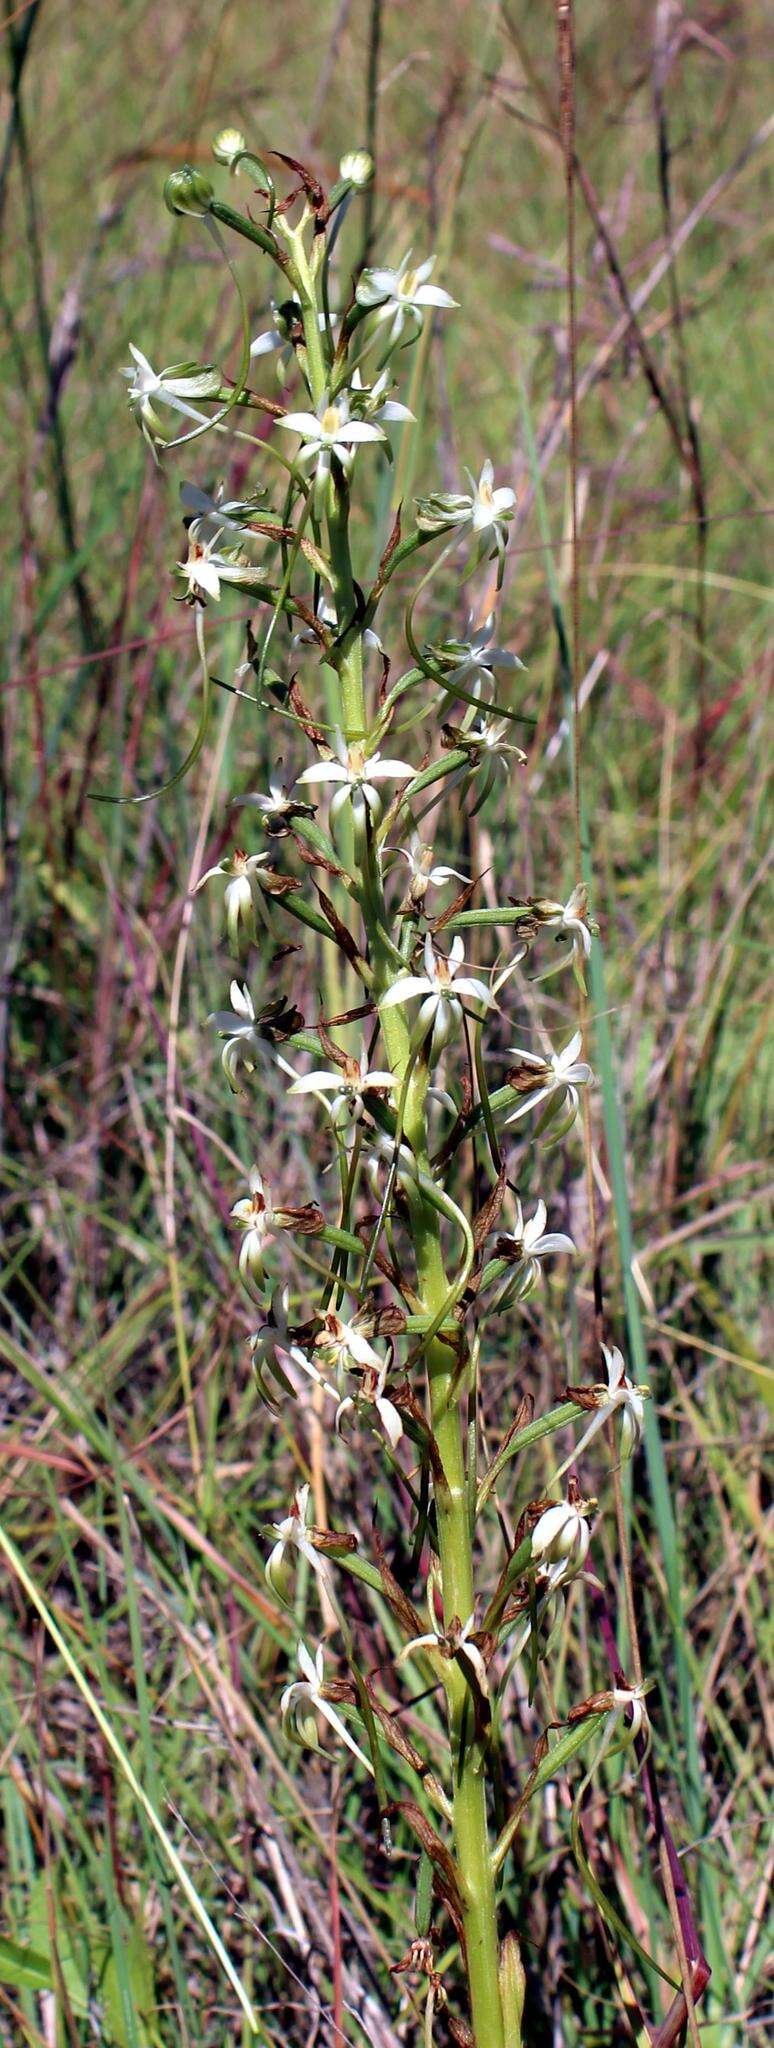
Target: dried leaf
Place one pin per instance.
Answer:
(586, 1397)
(331, 1542)
(389, 1322)
(299, 706)
(402, 1607)
(461, 901)
(276, 884)
(280, 1019)
(346, 942)
(307, 1221)
(309, 184)
(314, 859)
(460, 2032)
(381, 573)
(525, 1080)
(488, 1214)
(440, 1857)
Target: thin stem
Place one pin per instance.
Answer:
(468, 1758)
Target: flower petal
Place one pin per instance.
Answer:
(310, 1084)
(301, 423)
(324, 771)
(403, 991)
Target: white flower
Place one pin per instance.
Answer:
(557, 1081)
(277, 800)
(274, 1349)
(291, 1535)
(483, 508)
(622, 1393)
(201, 571)
(173, 387)
(571, 917)
(348, 1083)
(625, 1699)
(301, 1700)
(372, 402)
(208, 564)
(487, 747)
(489, 736)
(380, 1162)
(258, 1219)
(287, 328)
(212, 515)
(238, 1027)
(401, 296)
(278, 336)
(241, 897)
(475, 659)
(458, 1643)
(217, 529)
(357, 168)
(490, 508)
(525, 1246)
(560, 1541)
(330, 432)
(345, 1346)
(357, 772)
(278, 806)
(620, 1396)
(386, 1410)
(422, 873)
(441, 988)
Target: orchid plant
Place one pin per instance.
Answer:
(412, 1270)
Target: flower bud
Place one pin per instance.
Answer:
(560, 1540)
(188, 191)
(229, 145)
(357, 169)
(279, 1576)
(302, 1729)
(240, 916)
(440, 511)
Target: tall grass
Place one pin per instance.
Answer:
(133, 1576)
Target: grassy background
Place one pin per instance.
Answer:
(139, 1515)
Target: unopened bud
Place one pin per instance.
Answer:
(229, 145)
(188, 191)
(357, 168)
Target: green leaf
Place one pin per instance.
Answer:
(71, 1941)
(135, 1966)
(24, 1967)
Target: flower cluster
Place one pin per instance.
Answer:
(393, 1345)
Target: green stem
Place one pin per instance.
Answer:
(468, 1757)
(470, 1826)
(469, 1810)
(350, 652)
